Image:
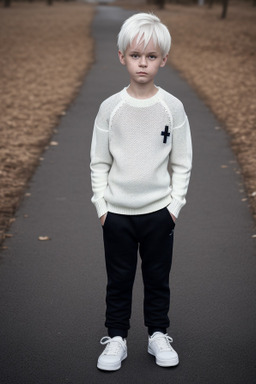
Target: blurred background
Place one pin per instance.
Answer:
(46, 49)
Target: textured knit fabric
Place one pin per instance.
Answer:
(134, 143)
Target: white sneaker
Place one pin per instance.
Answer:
(160, 347)
(113, 355)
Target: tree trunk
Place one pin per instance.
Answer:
(224, 9)
(160, 3)
(7, 3)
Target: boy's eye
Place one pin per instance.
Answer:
(136, 56)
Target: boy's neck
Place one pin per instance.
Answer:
(142, 91)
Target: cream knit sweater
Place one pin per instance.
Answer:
(134, 143)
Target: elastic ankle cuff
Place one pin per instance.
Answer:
(152, 330)
(113, 332)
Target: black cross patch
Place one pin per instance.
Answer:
(166, 134)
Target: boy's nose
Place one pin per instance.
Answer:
(143, 61)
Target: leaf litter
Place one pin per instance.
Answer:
(44, 55)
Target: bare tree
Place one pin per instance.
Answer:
(211, 3)
(159, 3)
(224, 9)
(7, 3)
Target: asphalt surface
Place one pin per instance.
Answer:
(52, 293)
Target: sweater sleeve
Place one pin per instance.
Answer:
(101, 161)
(181, 164)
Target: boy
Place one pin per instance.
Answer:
(138, 132)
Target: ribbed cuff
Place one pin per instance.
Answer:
(175, 206)
(113, 332)
(101, 207)
(152, 330)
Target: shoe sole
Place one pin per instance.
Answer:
(111, 367)
(163, 363)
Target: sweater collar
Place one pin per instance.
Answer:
(140, 102)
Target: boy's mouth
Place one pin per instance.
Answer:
(142, 73)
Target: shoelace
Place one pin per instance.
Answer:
(163, 342)
(112, 347)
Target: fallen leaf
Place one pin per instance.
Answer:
(44, 238)
(8, 235)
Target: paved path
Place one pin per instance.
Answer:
(52, 292)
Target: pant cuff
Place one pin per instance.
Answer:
(152, 330)
(113, 332)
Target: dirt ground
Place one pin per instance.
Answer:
(44, 55)
(41, 70)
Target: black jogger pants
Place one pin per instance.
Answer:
(124, 235)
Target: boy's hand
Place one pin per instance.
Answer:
(173, 217)
(102, 219)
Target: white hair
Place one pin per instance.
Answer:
(145, 26)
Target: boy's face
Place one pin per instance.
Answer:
(142, 63)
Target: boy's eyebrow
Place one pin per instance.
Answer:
(148, 53)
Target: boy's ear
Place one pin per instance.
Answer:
(121, 58)
(164, 61)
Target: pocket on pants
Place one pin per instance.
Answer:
(108, 218)
(170, 219)
(105, 220)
